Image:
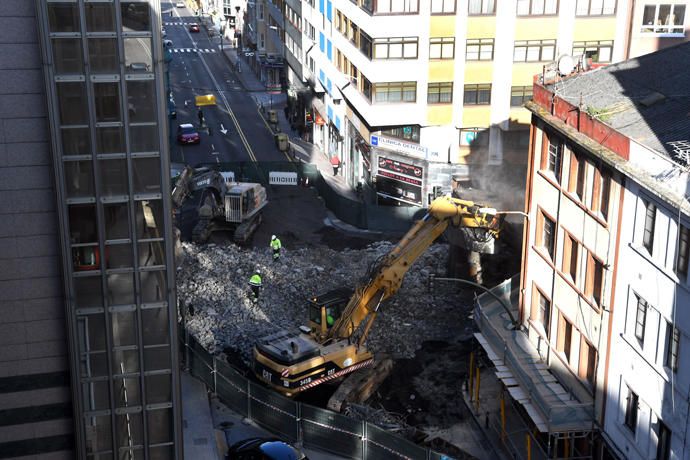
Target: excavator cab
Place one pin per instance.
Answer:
(326, 308)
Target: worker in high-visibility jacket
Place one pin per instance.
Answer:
(255, 284)
(275, 245)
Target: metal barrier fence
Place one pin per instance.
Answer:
(361, 213)
(298, 422)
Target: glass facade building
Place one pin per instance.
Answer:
(107, 121)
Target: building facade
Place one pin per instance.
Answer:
(457, 104)
(88, 137)
(605, 258)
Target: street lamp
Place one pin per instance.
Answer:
(223, 23)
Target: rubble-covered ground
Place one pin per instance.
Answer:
(213, 281)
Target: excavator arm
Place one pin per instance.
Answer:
(385, 276)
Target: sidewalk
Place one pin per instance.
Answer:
(304, 151)
(197, 423)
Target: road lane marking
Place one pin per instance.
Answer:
(226, 104)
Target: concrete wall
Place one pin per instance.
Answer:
(35, 400)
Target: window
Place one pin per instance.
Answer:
(442, 48)
(663, 18)
(534, 50)
(663, 446)
(594, 279)
(365, 44)
(587, 362)
(631, 408)
(397, 6)
(519, 95)
(581, 177)
(481, 7)
(479, 49)
(595, 7)
(554, 157)
(536, 7)
(407, 133)
(542, 310)
(672, 346)
(597, 51)
(396, 48)
(649, 222)
(683, 255)
(565, 335)
(604, 195)
(442, 6)
(477, 94)
(546, 234)
(640, 319)
(570, 257)
(440, 93)
(395, 92)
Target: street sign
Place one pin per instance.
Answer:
(207, 99)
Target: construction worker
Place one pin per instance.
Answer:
(275, 245)
(255, 284)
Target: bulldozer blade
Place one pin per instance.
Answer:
(360, 385)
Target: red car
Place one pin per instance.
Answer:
(187, 134)
(194, 27)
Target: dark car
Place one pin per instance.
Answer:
(187, 134)
(194, 27)
(264, 449)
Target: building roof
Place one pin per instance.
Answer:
(646, 98)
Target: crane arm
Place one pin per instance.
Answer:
(385, 277)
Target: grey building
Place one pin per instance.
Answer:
(88, 346)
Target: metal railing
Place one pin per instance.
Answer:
(558, 417)
(314, 427)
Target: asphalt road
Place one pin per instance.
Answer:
(199, 68)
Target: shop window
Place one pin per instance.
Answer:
(407, 133)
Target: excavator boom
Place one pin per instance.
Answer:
(293, 362)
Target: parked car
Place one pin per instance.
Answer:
(194, 27)
(167, 43)
(264, 449)
(187, 134)
(179, 5)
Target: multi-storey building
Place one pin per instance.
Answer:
(605, 259)
(88, 365)
(420, 82)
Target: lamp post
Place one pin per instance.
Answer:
(238, 28)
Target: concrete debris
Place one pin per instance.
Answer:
(212, 283)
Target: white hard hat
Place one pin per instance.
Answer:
(273, 237)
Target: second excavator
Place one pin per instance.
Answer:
(333, 344)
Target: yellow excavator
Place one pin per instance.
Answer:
(339, 321)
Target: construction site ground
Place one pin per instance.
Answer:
(422, 397)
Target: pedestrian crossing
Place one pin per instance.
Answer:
(179, 23)
(193, 50)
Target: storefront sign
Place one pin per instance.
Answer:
(400, 167)
(397, 145)
(282, 178)
(399, 181)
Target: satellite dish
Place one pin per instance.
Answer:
(566, 64)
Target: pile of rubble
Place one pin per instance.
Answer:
(212, 282)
